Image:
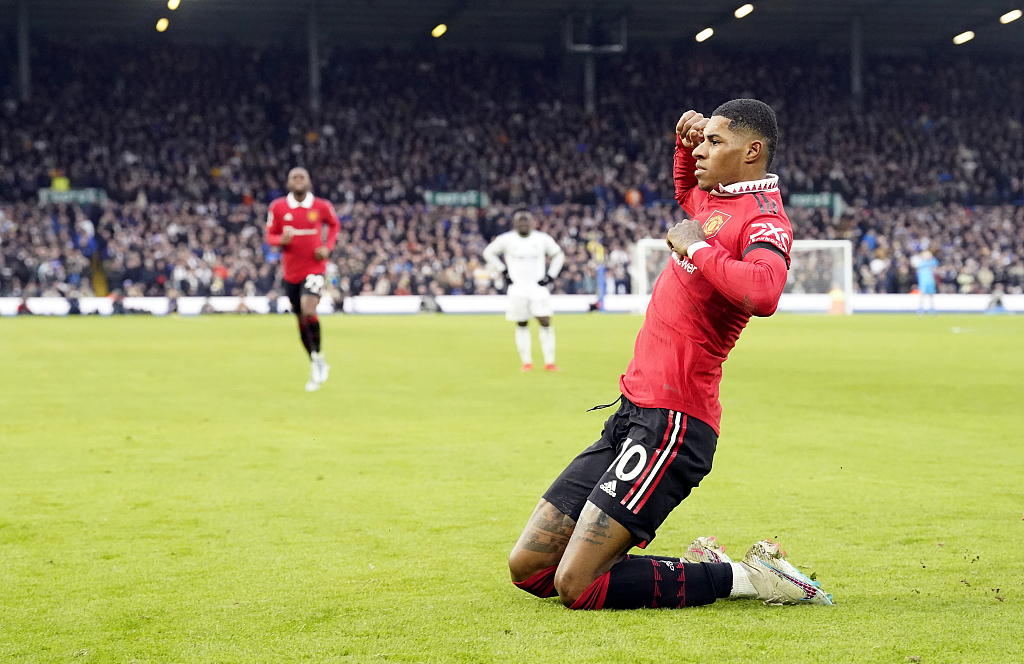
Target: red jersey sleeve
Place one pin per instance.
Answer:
(333, 225)
(754, 284)
(687, 193)
(274, 228)
(755, 281)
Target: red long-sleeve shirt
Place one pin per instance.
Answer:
(699, 306)
(307, 220)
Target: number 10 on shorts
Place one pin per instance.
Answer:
(631, 462)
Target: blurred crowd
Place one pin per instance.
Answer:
(401, 249)
(191, 143)
(979, 249)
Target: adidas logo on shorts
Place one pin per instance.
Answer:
(609, 488)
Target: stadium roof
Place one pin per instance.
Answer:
(888, 25)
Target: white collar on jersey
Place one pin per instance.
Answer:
(307, 202)
(770, 183)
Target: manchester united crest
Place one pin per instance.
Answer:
(313, 215)
(715, 222)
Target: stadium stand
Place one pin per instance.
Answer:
(190, 143)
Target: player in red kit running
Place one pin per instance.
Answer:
(729, 263)
(296, 224)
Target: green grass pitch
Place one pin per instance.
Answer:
(169, 493)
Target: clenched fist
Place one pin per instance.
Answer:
(684, 235)
(690, 129)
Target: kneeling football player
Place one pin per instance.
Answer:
(729, 263)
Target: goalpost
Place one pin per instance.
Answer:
(820, 276)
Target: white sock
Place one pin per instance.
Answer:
(547, 343)
(741, 585)
(523, 344)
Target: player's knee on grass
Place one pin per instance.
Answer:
(523, 323)
(598, 543)
(571, 584)
(524, 564)
(545, 321)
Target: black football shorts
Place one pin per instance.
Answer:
(646, 462)
(311, 285)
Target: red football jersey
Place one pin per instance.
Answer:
(307, 220)
(699, 306)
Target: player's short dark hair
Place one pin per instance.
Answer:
(753, 115)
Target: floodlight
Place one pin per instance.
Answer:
(743, 11)
(1010, 16)
(439, 30)
(705, 34)
(963, 37)
(162, 24)
(173, 4)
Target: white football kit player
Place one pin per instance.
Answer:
(525, 260)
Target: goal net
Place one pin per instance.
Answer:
(820, 275)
